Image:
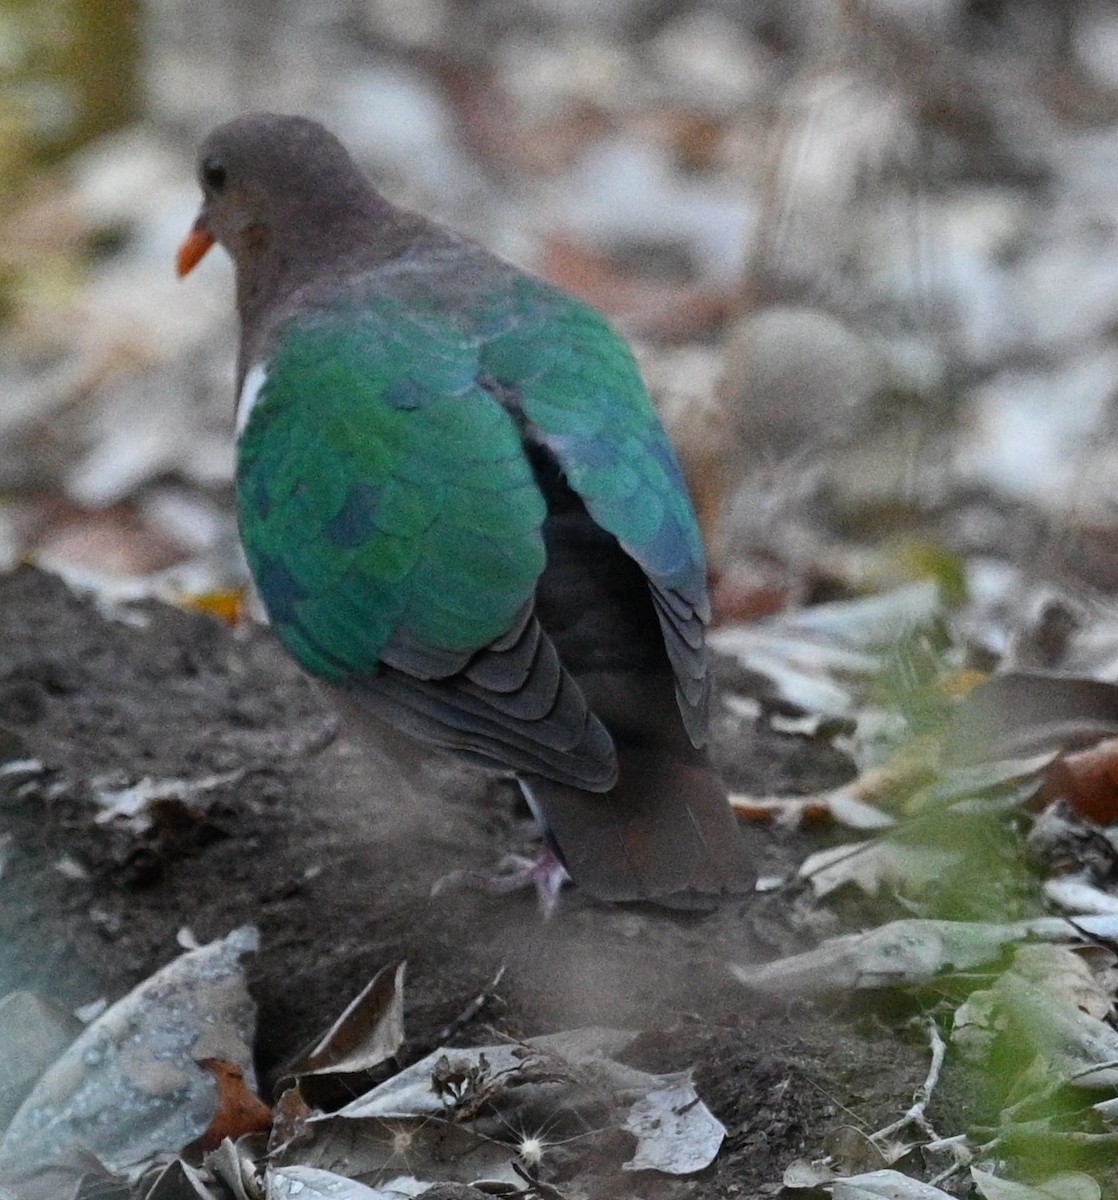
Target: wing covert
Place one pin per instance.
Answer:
(582, 395)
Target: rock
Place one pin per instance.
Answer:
(796, 378)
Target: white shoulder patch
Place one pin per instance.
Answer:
(250, 393)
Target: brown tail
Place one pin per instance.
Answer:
(664, 833)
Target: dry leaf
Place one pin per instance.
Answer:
(1022, 713)
(570, 1072)
(128, 1087)
(646, 307)
(872, 865)
(1069, 1185)
(1075, 894)
(239, 1109)
(675, 1133)
(227, 604)
(886, 1185)
(1049, 998)
(909, 952)
(178, 1180)
(309, 1183)
(369, 1031)
(289, 1118)
(1088, 781)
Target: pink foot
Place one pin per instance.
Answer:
(515, 871)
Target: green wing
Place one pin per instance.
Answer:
(582, 395)
(393, 526)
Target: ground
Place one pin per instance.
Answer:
(309, 842)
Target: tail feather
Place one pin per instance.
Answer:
(664, 833)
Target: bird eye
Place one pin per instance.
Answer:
(213, 174)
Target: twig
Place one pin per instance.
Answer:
(916, 1113)
(1107, 1065)
(471, 1010)
(949, 1145)
(535, 1185)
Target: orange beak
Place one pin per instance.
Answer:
(194, 247)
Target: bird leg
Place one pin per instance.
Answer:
(515, 871)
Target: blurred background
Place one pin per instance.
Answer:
(865, 250)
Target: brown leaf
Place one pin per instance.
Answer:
(697, 139)
(112, 541)
(794, 812)
(290, 1118)
(369, 1031)
(1088, 781)
(743, 596)
(646, 307)
(239, 1110)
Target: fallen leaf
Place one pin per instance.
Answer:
(1069, 1185)
(909, 952)
(840, 806)
(872, 865)
(424, 1148)
(1087, 780)
(369, 1031)
(675, 1133)
(235, 1166)
(289, 1118)
(310, 1183)
(239, 1109)
(820, 658)
(413, 1092)
(953, 785)
(1048, 999)
(886, 1185)
(75, 1173)
(853, 1152)
(573, 1073)
(1022, 713)
(914, 763)
(133, 805)
(806, 1175)
(178, 1180)
(128, 1087)
(1084, 977)
(792, 812)
(1075, 894)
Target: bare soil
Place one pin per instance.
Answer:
(310, 840)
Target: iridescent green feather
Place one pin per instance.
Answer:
(387, 504)
(383, 495)
(580, 387)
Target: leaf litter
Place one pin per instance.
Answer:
(1021, 742)
(510, 1110)
(130, 1098)
(486, 1100)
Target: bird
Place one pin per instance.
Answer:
(463, 516)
